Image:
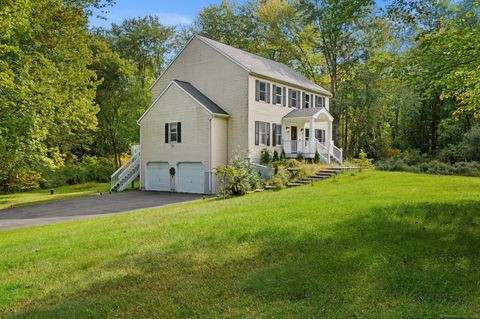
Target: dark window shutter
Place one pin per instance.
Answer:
(166, 133)
(289, 97)
(316, 101)
(303, 100)
(274, 94)
(268, 92)
(284, 96)
(257, 90)
(256, 133)
(179, 132)
(274, 134)
(307, 133)
(268, 134)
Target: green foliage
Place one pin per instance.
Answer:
(275, 156)
(265, 157)
(145, 43)
(90, 169)
(237, 178)
(432, 167)
(316, 159)
(472, 143)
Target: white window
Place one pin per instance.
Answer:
(320, 101)
(308, 102)
(262, 91)
(293, 98)
(279, 95)
(173, 132)
(262, 133)
(277, 135)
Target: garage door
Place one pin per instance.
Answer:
(158, 176)
(191, 178)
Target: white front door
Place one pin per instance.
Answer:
(191, 178)
(158, 176)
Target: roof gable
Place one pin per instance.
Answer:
(310, 112)
(208, 105)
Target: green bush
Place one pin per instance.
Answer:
(237, 178)
(472, 143)
(89, 169)
(316, 159)
(275, 157)
(432, 167)
(265, 157)
(280, 178)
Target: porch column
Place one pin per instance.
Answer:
(312, 145)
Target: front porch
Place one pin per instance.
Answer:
(307, 131)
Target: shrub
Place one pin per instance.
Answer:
(89, 169)
(283, 155)
(472, 143)
(316, 159)
(299, 156)
(237, 178)
(275, 157)
(432, 167)
(265, 157)
(281, 177)
(453, 153)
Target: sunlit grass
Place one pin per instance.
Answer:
(366, 245)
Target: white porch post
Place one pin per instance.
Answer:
(311, 137)
(330, 141)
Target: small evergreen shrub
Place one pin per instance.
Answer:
(316, 159)
(265, 157)
(283, 155)
(275, 157)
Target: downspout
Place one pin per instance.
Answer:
(210, 155)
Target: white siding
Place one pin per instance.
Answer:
(220, 79)
(174, 106)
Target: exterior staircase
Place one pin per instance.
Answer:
(127, 173)
(321, 175)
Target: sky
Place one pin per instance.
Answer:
(170, 12)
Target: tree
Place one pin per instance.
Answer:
(122, 100)
(146, 43)
(337, 24)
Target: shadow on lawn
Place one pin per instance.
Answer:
(411, 260)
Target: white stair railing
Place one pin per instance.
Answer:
(323, 151)
(337, 153)
(126, 173)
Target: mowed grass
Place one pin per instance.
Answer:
(43, 195)
(372, 245)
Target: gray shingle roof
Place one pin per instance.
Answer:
(200, 97)
(305, 112)
(262, 66)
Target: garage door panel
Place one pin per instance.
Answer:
(158, 176)
(191, 178)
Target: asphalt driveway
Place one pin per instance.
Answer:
(87, 207)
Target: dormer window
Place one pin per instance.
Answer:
(262, 91)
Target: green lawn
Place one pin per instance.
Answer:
(372, 245)
(44, 195)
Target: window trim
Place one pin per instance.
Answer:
(308, 104)
(322, 135)
(277, 134)
(262, 133)
(319, 104)
(296, 99)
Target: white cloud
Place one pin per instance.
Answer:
(171, 18)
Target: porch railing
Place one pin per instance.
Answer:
(328, 151)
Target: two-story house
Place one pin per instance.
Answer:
(214, 100)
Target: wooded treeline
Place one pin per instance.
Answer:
(405, 76)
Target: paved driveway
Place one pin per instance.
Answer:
(87, 207)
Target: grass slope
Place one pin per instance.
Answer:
(43, 195)
(373, 245)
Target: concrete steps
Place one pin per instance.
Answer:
(321, 175)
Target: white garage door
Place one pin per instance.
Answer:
(158, 176)
(191, 178)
